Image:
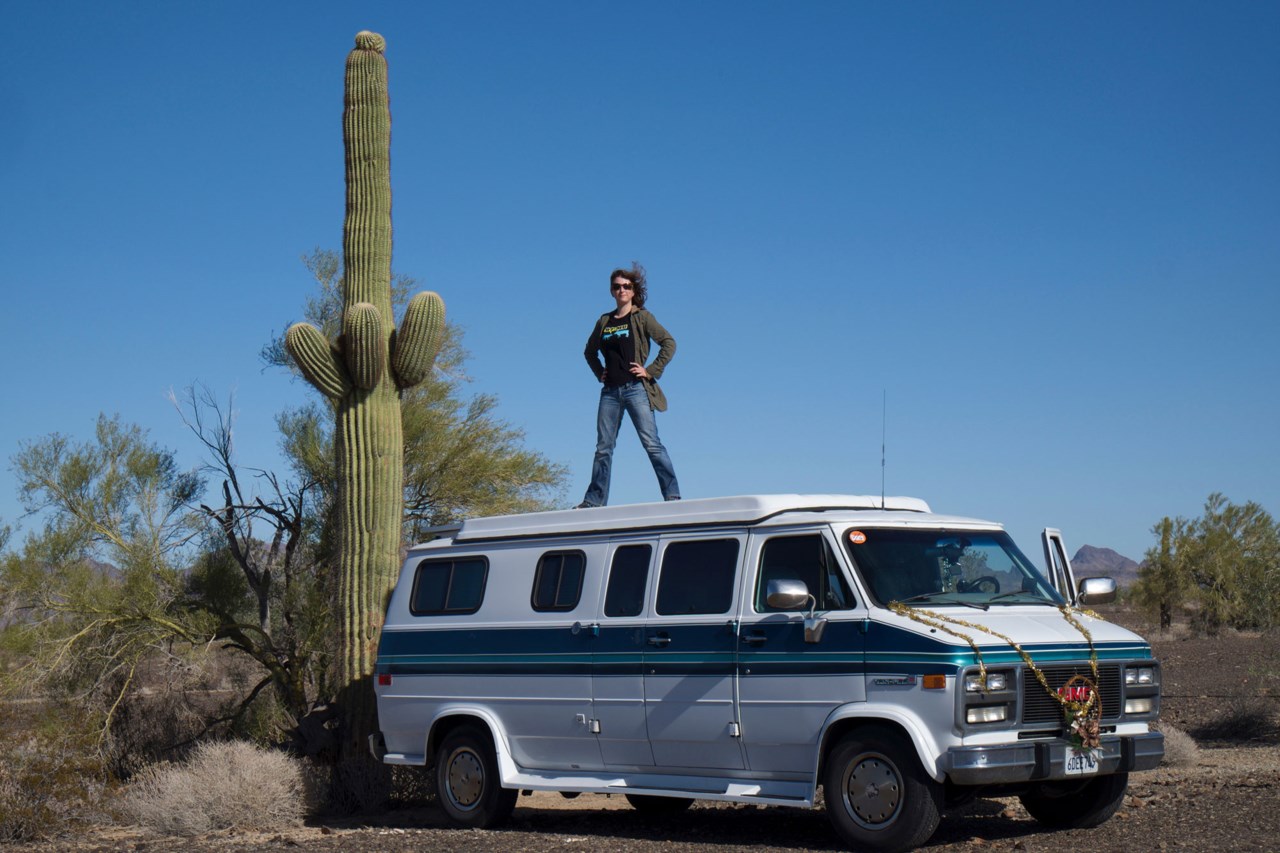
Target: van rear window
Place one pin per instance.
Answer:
(449, 587)
(557, 584)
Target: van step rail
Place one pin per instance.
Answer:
(659, 785)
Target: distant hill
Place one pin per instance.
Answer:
(1103, 562)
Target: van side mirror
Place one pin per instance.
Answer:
(794, 595)
(1097, 590)
(787, 594)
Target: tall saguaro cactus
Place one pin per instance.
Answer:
(362, 372)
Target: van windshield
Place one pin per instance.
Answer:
(932, 568)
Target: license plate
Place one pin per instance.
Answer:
(1082, 762)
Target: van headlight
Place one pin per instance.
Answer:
(1137, 706)
(987, 714)
(1141, 675)
(996, 681)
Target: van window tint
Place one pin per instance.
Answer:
(627, 578)
(557, 584)
(448, 586)
(697, 577)
(802, 558)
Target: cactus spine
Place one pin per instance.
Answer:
(362, 373)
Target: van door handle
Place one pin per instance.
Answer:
(659, 640)
(755, 638)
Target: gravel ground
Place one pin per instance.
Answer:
(1229, 799)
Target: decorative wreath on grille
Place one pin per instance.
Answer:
(1082, 705)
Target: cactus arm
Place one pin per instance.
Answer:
(421, 333)
(365, 344)
(318, 361)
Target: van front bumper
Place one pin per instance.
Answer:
(1036, 760)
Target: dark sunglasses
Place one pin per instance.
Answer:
(623, 286)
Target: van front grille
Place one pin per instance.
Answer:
(1039, 708)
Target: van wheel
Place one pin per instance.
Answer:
(658, 805)
(1076, 805)
(468, 781)
(878, 796)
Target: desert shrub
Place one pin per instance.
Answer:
(1180, 749)
(412, 786)
(51, 780)
(223, 785)
(1246, 719)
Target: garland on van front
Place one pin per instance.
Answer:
(1083, 715)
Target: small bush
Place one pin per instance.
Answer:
(1246, 719)
(227, 785)
(1180, 749)
(51, 780)
(412, 786)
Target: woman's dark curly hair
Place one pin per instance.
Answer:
(635, 275)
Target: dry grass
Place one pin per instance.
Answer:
(228, 785)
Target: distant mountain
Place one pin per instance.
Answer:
(1103, 562)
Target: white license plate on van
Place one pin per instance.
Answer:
(1082, 762)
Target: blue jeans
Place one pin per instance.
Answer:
(635, 400)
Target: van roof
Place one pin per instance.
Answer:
(742, 509)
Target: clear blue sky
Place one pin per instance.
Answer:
(1049, 234)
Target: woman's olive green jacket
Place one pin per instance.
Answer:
(644, 327)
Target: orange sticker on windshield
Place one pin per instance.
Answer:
(857, 537)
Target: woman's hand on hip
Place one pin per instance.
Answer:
(638, 371)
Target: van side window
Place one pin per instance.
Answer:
(802, 558)
(557, 584)
(627, 579)
(449, 587)
(697, 577)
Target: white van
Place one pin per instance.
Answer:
(756, 649)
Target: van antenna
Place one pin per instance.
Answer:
(884, 399)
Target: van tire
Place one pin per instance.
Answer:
(1076, 805)
(651, 805)
(878, 797)
(468, 782)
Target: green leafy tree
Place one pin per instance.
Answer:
(1163, 579)
(100, 588)
(1226, 564)
(1233, 552)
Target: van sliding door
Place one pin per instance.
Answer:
(617, 668)
(690, 641)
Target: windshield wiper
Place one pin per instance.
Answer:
(930, 596)
(1037, 598)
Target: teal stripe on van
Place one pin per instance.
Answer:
(704, 650)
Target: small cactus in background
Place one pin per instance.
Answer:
(362, 373)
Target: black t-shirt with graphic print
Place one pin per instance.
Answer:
(619, 351)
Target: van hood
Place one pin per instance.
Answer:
(1026, 625)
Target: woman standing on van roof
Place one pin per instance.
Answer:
(622, 336)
